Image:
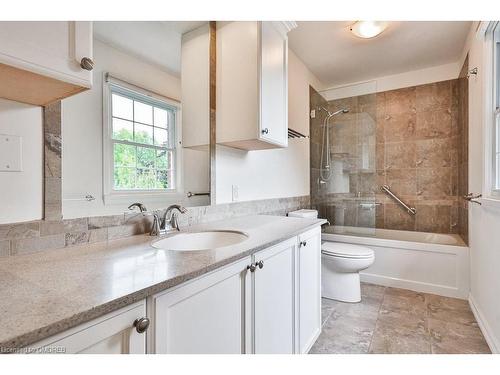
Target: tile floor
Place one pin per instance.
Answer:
(390, 320)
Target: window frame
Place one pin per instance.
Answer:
(493, 112)
(119, 196)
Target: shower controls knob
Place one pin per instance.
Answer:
(265, 131)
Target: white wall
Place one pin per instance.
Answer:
(396, 81)
(484, 220)
(21, 193)
(82, 132)
(299, 79)
(276, 173)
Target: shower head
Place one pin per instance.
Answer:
(331, 114)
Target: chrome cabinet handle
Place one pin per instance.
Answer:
(141, 324)
(265, 131)
(303, 243)
(87, 63)
(255, 266)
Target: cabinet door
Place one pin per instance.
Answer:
(51, 48)
(273, 84)
(206, 316)
(309, 289)
(113, 333)
(274, 299)
(40, 61)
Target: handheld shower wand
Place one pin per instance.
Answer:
(325, 172)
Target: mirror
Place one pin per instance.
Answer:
(142, 132)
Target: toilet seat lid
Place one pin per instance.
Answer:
(346, 250)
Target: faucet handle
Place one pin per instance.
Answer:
(156, 228)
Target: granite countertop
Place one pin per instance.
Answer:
(48, 292)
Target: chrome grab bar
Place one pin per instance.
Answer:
(191, 194)
(411, 210)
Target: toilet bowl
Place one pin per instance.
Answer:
(340, 266)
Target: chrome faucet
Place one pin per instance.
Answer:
(170, 220)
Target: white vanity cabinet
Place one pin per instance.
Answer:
(252, 89)
(114, 333)
(267, 303)
(273, 299)
(206, 316)
(309, 289)
(41, 62)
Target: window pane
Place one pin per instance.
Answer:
(124, 155)
(146, 157)
(161, 137)
(123, 130)
(161, 117)
(122, 107)
(164, 180)
(146, 179)
(143, 134)
(163, 159)
(124, 178)
(143, 113)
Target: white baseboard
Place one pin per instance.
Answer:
(417, 286)
(491, 340)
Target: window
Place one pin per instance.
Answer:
(496, 109)
(141, 131)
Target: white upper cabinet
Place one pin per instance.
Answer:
(252, 76)
(42, 62)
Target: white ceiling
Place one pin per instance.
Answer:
(337, 57)
(157, 42)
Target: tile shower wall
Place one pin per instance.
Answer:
(24, 238)
(408, 139)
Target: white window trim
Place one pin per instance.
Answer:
(111, 196)
(491, 195)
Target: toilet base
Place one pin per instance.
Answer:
(343, 287)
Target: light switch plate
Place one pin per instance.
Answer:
(11, 153)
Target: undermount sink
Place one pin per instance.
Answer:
(194, 241)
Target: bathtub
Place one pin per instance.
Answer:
(424, 262)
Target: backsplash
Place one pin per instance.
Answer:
(29, 237)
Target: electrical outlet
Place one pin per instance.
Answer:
(235, 192)
(313, 113)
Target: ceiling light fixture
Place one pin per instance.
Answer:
(367, 29)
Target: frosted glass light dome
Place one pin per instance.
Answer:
(367, 29)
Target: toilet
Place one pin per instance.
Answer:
(340, 266)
